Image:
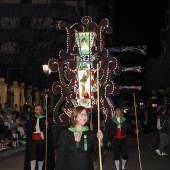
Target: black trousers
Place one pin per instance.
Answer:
(155, 140)
(120, 148)
(38, 150)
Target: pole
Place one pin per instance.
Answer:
(137, 132)
(46, 115)
(98, 105)
(91, 117)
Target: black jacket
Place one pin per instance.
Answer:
(164, 122)
(152, 122)
(50, 148)
(73, 158)
(125, 128)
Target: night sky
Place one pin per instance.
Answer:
(140, 22)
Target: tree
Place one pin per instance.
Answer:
(157, 77)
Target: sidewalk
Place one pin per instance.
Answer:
(4, 154)
(149, 159)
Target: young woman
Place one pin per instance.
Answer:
(77, 143)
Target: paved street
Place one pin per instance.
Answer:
(15, 162)
(149, 159)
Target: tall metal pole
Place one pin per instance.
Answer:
(98, 105)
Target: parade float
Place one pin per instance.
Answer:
(77, 69)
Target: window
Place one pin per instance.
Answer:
(25, 22)
(9, 22)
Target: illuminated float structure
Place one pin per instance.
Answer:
(77, 69)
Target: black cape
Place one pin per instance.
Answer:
(50, 145)
(72, 158)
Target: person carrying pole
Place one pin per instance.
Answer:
(117, 138)
(77, 143)
(36, 136)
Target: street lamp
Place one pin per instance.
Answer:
(47, 71)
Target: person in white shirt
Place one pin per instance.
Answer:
(35, 140)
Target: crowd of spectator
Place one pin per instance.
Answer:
(13, 126)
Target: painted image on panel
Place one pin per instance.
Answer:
(84, 40)
(84, 79)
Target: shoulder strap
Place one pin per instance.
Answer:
(163, 123)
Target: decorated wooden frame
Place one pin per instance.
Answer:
(77, 66)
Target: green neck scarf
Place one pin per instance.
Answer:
(122, 119)
(73, 129)
(85, 128)
(40, 116)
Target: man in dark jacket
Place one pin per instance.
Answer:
(163, 129)
(119, 126)
(35, 142)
